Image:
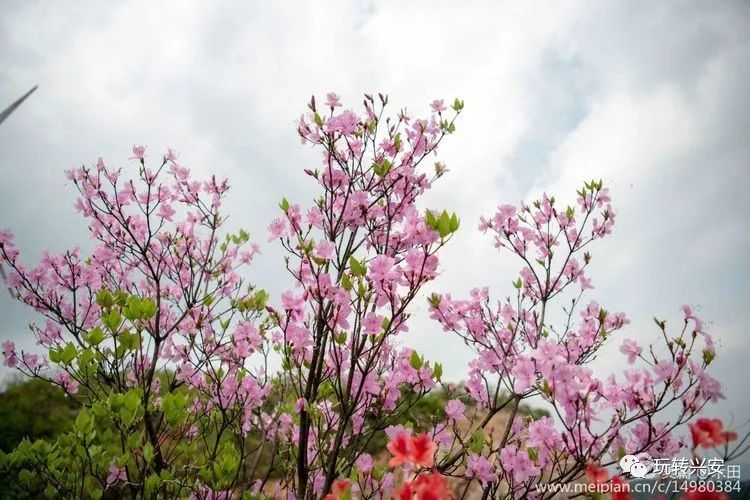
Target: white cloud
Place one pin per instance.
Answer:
(648, 96)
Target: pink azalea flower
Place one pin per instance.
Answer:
(631, 349)
(139, 153)
(276, 230)
(455, 410)
(438, 106)
(525, 373)
(517, 463)
(64, 380)
(300, 405)
(333, 100)
(479, 467)
(166, 212)
(324, 249)
(115, 474)
(372, 324)
(665, 370)
(364, 463)
(345, 123)
(9, 353)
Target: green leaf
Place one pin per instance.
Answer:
(326, 389)
(134, 442)
(346, 282)
(438, 371)
(173, 406)
(25, 476)
(357, 267)
(95, 336)
(434, 300)
(85, 357)
(361, 290)
(415, 360)
(112, 321)
(430, 220)
(50, 492)
(382, 168)
(84, 422)
(148, 308)
(444, 224)
(128, 341)
(477, 441)
(68, 354)
(54, 355)
(708, 356)
(386, 324)
(284, 204)
(104, 299)
(152, 483)
(454, 223)
(379, 471)
(397, 142)
(261, 297)
(226, 464)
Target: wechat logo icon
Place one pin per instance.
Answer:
(630, 464)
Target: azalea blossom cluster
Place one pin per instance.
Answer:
(409, 452)
(358, 255)
(706, 433)
(710, 433)
(525, 349)
(156, 320)
(171, 353)
(415, 456)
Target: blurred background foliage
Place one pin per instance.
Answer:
(33, 409)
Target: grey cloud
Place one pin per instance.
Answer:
(648, 94)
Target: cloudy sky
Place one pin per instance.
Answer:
(649, 96)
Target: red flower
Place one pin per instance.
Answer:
(728, 436)
(404, 492)
(427, 486)
(423, 450)
(337, 490)
(418, 450)
(619, 489)
(596, 475)
(709, 432)
(400, 448)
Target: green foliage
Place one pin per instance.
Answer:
(62, 447)
(359, 269)
(34, 409)
(445, 223)
(50, 434)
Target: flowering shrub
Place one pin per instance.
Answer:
(150, 334)
(171, 354)
(523, 353)
(710, 433)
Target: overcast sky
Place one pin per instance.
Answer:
(652, 97)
